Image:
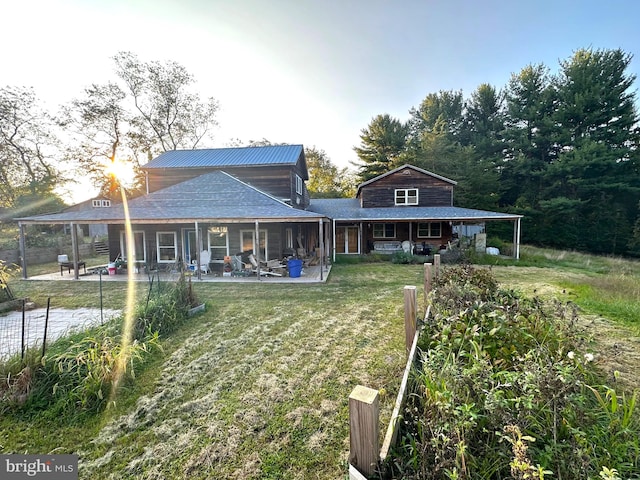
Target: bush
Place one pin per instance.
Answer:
(82, 370)
(502, 390)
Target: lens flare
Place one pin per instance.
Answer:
(127, 327)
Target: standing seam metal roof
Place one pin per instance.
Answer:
(227, 157)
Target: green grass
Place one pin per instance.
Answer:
(256, 387)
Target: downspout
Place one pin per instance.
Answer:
(23, 252)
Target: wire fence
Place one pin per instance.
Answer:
(36, 328)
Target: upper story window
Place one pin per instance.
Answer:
(101, 203)
(298, 184)
(406, 196)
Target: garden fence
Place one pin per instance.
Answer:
(365, 455)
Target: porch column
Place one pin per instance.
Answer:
(74, 248)
(516, 239)
(257, 252)
(198, 241)
(321, 252)
(23, 252)
(334, 241)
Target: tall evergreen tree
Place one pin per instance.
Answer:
(382, 144)
(599, 134)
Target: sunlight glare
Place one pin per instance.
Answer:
(122, 171)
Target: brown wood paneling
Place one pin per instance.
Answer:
(432, 192)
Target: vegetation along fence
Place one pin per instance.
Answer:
(364, 412)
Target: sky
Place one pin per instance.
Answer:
(301, 71)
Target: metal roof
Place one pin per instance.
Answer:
(215, 196)
(228, 157)
(349, 209)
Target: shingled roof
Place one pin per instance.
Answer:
(349, 209)
(215, 196)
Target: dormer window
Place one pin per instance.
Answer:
(406, 196)
(101, 203)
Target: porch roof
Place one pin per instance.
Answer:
(212, 197)
(349, 209)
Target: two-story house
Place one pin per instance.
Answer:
(407, 205)
(231, 200)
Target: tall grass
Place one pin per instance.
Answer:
(504, 390)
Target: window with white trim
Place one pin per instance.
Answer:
(298, 184)
(429, 230)
(406, 196)
(167, 245)
(218, 243)
(101, 203)
(139, 246)
(384, 230)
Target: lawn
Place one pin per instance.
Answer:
(258, 385)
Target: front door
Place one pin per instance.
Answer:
(189, 246)
(347, 240)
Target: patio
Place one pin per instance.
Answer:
(309, 274)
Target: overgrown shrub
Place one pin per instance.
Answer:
(504, 389)
(79, 372)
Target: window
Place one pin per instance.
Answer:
(248, 242)
(139, 246)
(101, 203)
(384, 230)
(298, 184)
(218, 243)
(406, 196)
(429, 230)
(167, 247)
(288, 238)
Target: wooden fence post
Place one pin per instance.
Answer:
(364, 412)
(436, 264)
(427, 281)
(410, 312)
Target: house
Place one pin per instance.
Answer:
(407, 205)
(232, 200)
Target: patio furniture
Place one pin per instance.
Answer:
(63, 261)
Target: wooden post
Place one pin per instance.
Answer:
(427, 281)
(23, 251)
(410, 312)
(436, 264)
(74, 247)
(364, 411)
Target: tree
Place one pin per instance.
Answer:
(168, 116)
(102, 132)
(382, 144)
(438, 112)
(28, 148)
(598, 163)
(531, 134)
(152, 111)
(326, 180)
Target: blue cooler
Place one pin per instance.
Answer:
(295, 268)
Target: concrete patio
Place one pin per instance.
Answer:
(309, 274)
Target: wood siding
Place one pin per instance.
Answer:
(277, 181)
(432, 192)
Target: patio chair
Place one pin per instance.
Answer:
(63, 262)
(205, 258)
